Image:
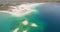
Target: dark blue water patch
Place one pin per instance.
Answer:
(51, 14)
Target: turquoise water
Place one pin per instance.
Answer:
(9, 22)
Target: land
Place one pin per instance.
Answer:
(5, 3)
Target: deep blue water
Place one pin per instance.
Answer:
(51, 14)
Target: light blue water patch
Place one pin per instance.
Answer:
(8, 22)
